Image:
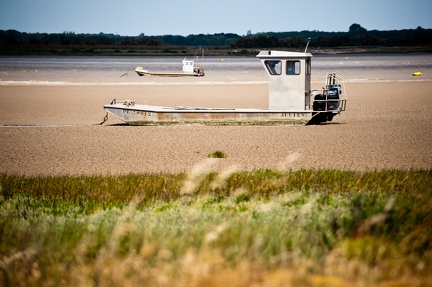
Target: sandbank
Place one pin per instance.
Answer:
(54, 130)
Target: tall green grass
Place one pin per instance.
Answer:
(268, 228)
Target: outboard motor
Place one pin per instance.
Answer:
(331, 102)
(332, 94)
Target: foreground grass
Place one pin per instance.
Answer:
(262, 228)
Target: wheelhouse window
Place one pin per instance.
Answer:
(274, 67)
(293, 67)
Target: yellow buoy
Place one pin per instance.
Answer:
(417, 74)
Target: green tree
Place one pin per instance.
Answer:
(356, 29)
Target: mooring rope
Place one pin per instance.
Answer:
(104, 119)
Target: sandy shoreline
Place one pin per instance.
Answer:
(53, 130)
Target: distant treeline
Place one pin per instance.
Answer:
(355, 36)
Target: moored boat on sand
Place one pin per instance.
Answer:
(189, 69)
(290, 99)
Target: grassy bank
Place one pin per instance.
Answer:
(262, 228)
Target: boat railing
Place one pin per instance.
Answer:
(333, 97)
(329, 105)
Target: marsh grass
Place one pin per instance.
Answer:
(217, 154)
(268, 228)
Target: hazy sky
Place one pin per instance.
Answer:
(184, 17)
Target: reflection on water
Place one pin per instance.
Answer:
(119, 70)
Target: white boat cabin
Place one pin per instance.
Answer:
(188, 66)
(289, 79)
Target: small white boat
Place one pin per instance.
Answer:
(189, 69)
(290, 99)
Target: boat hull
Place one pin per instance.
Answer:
(141, 72)
(150, 115)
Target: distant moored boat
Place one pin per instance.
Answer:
(189, 69)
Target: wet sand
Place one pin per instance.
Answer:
(54, 130)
